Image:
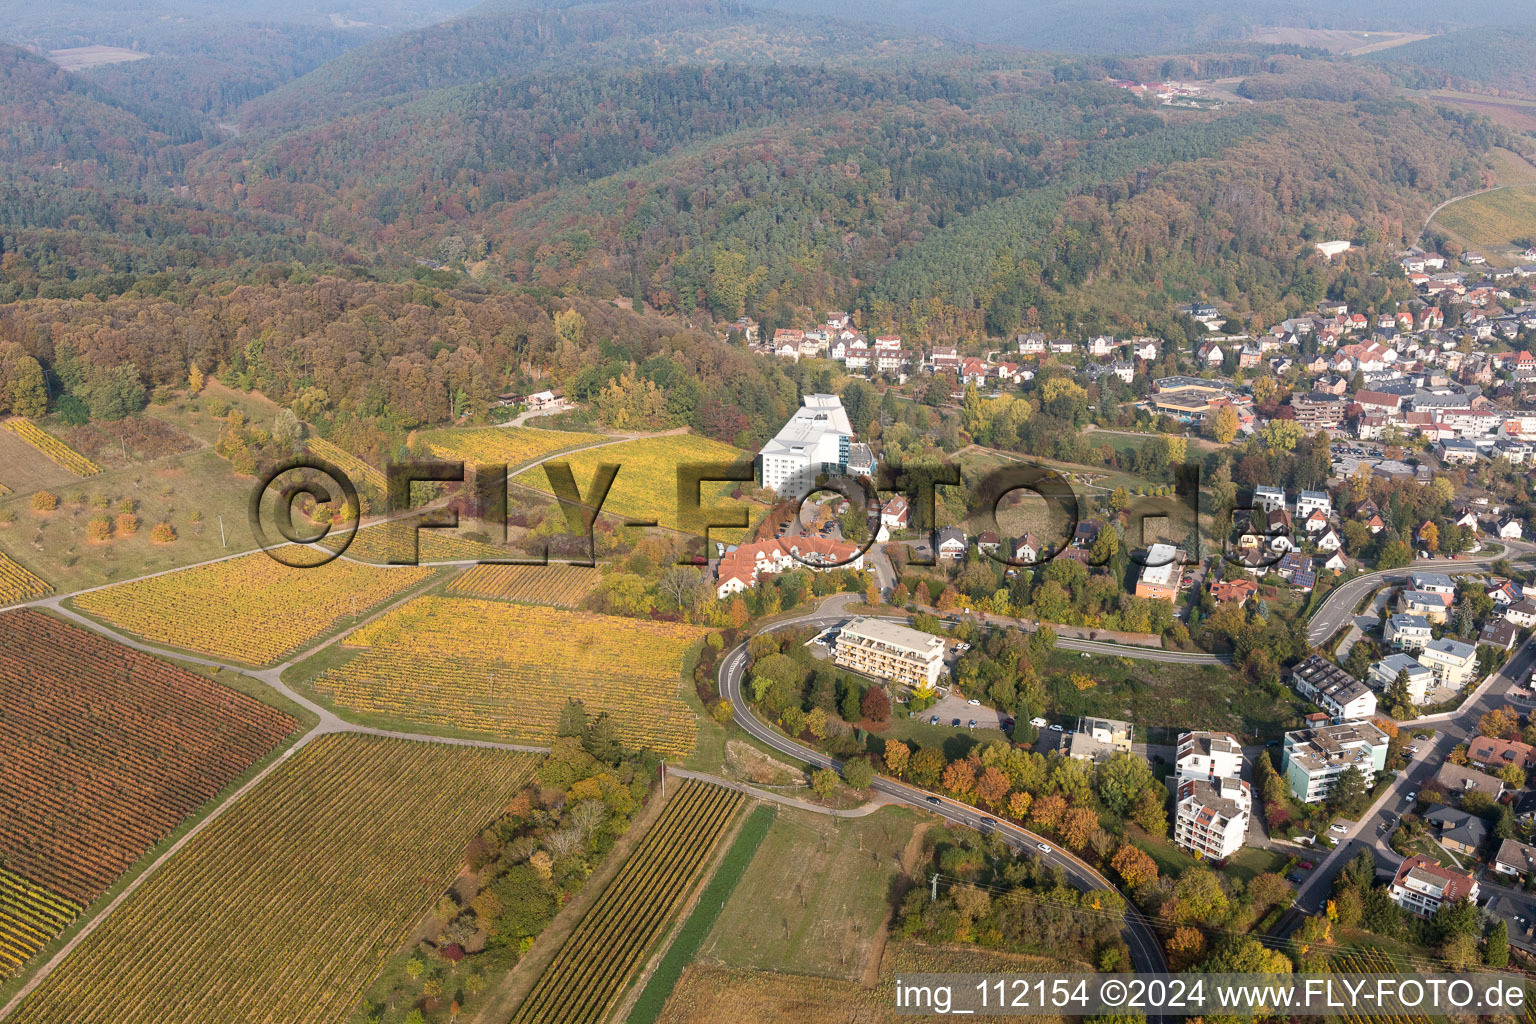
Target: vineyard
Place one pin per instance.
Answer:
(29, 916)
(506, 670)
(61, 454)
(361, 473)
(646, 485)
(1372, 961)
(288, 904)
(591, 970)
(250, 609)
(392, 540)
(563, 586)
(107, 750)
(17, 584)
(502, 446)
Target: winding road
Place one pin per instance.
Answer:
(1146, 951)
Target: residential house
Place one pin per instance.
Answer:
(1431, 606)
(1099, 739)
(1458, 830)
(1027, 550)
(895, 513)
(1515, 858)
(1384, 676)
(1507, 593)
(1344, 697)
(1459, 781)
(986, 540)
(1159, 579)
(1330, 540)
(1509, 528)
(1452, 662)
(1270, 499)
(1309, 501)
(1421, 886)
(1492, 753)
(740, 568)
(950, 543)
(1238, 590)
(1499, 633)
(1522, 613)
(1407, 632)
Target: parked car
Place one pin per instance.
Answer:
(955, 724)
(1055, 728)
(1413, 795)
(1306, 865)
(933, 719)
(1336, 827)
(973, 702)
(972, 725)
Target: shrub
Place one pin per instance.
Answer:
(99, 529)
(101, 502)
(45, 501)
(127, 524)
(163, 533)
(128, 506)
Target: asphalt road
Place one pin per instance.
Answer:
(1338, 607)
(1146, 952)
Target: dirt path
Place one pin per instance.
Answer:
(502, 1000)
(909, 859)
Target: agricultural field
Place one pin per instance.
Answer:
(29, 917)
(107, 750)
(1492, 220)
(710, 992)
(561, 586)
(506, 670)
(18, 584)
(56, 451)
(498, 446)
(361, 473)
(251, 609)
(818, 890)
(285, 906)
(591, 970)
(645, 488)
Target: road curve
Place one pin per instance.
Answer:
(1146, 951)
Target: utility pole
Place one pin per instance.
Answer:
(933, 894)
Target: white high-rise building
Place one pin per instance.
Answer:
(816, 440)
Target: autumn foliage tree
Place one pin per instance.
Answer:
(1048, 811)
(896, 755)
(1078, 825)
(875, 705)
(1134, 865)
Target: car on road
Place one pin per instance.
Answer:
(1413, 795)
(955, 724)
(933, 719)
(1042, 847)
(1336, 827)
(935, 800)
(973, 702)
(972, 724)
(1055, 728)
(989, 821)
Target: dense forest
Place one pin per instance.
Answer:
(387, 233)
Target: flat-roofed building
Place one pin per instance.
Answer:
(816, 439)
(1211, 817)
(1407, 632)
(890, 651)
(1099, 739)
(1208, 756)
(1384, 675)
(1159, 579)
(1313, 759)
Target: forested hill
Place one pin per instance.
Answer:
(497, 41)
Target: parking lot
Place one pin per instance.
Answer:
(950, 708)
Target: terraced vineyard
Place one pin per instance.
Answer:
(106, 750)
(288, 904)
(591, 970)
(503, 446)
(506, 670)
(563, 586)
(1372, 961)
(29, 917)
(17, 584)
(361, 473)
(645, 488)
(250, 609)
(60, 453)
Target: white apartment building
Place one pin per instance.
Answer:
(1334, 690)
(898, 653)
(1208, 756)
(1306, 501)
(817, 439)
(1211, 819)
(1407, 632)
(1451, 662)
(1314, 758)
(1384, 675)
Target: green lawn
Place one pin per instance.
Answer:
(1254, 860)
(815, 894)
